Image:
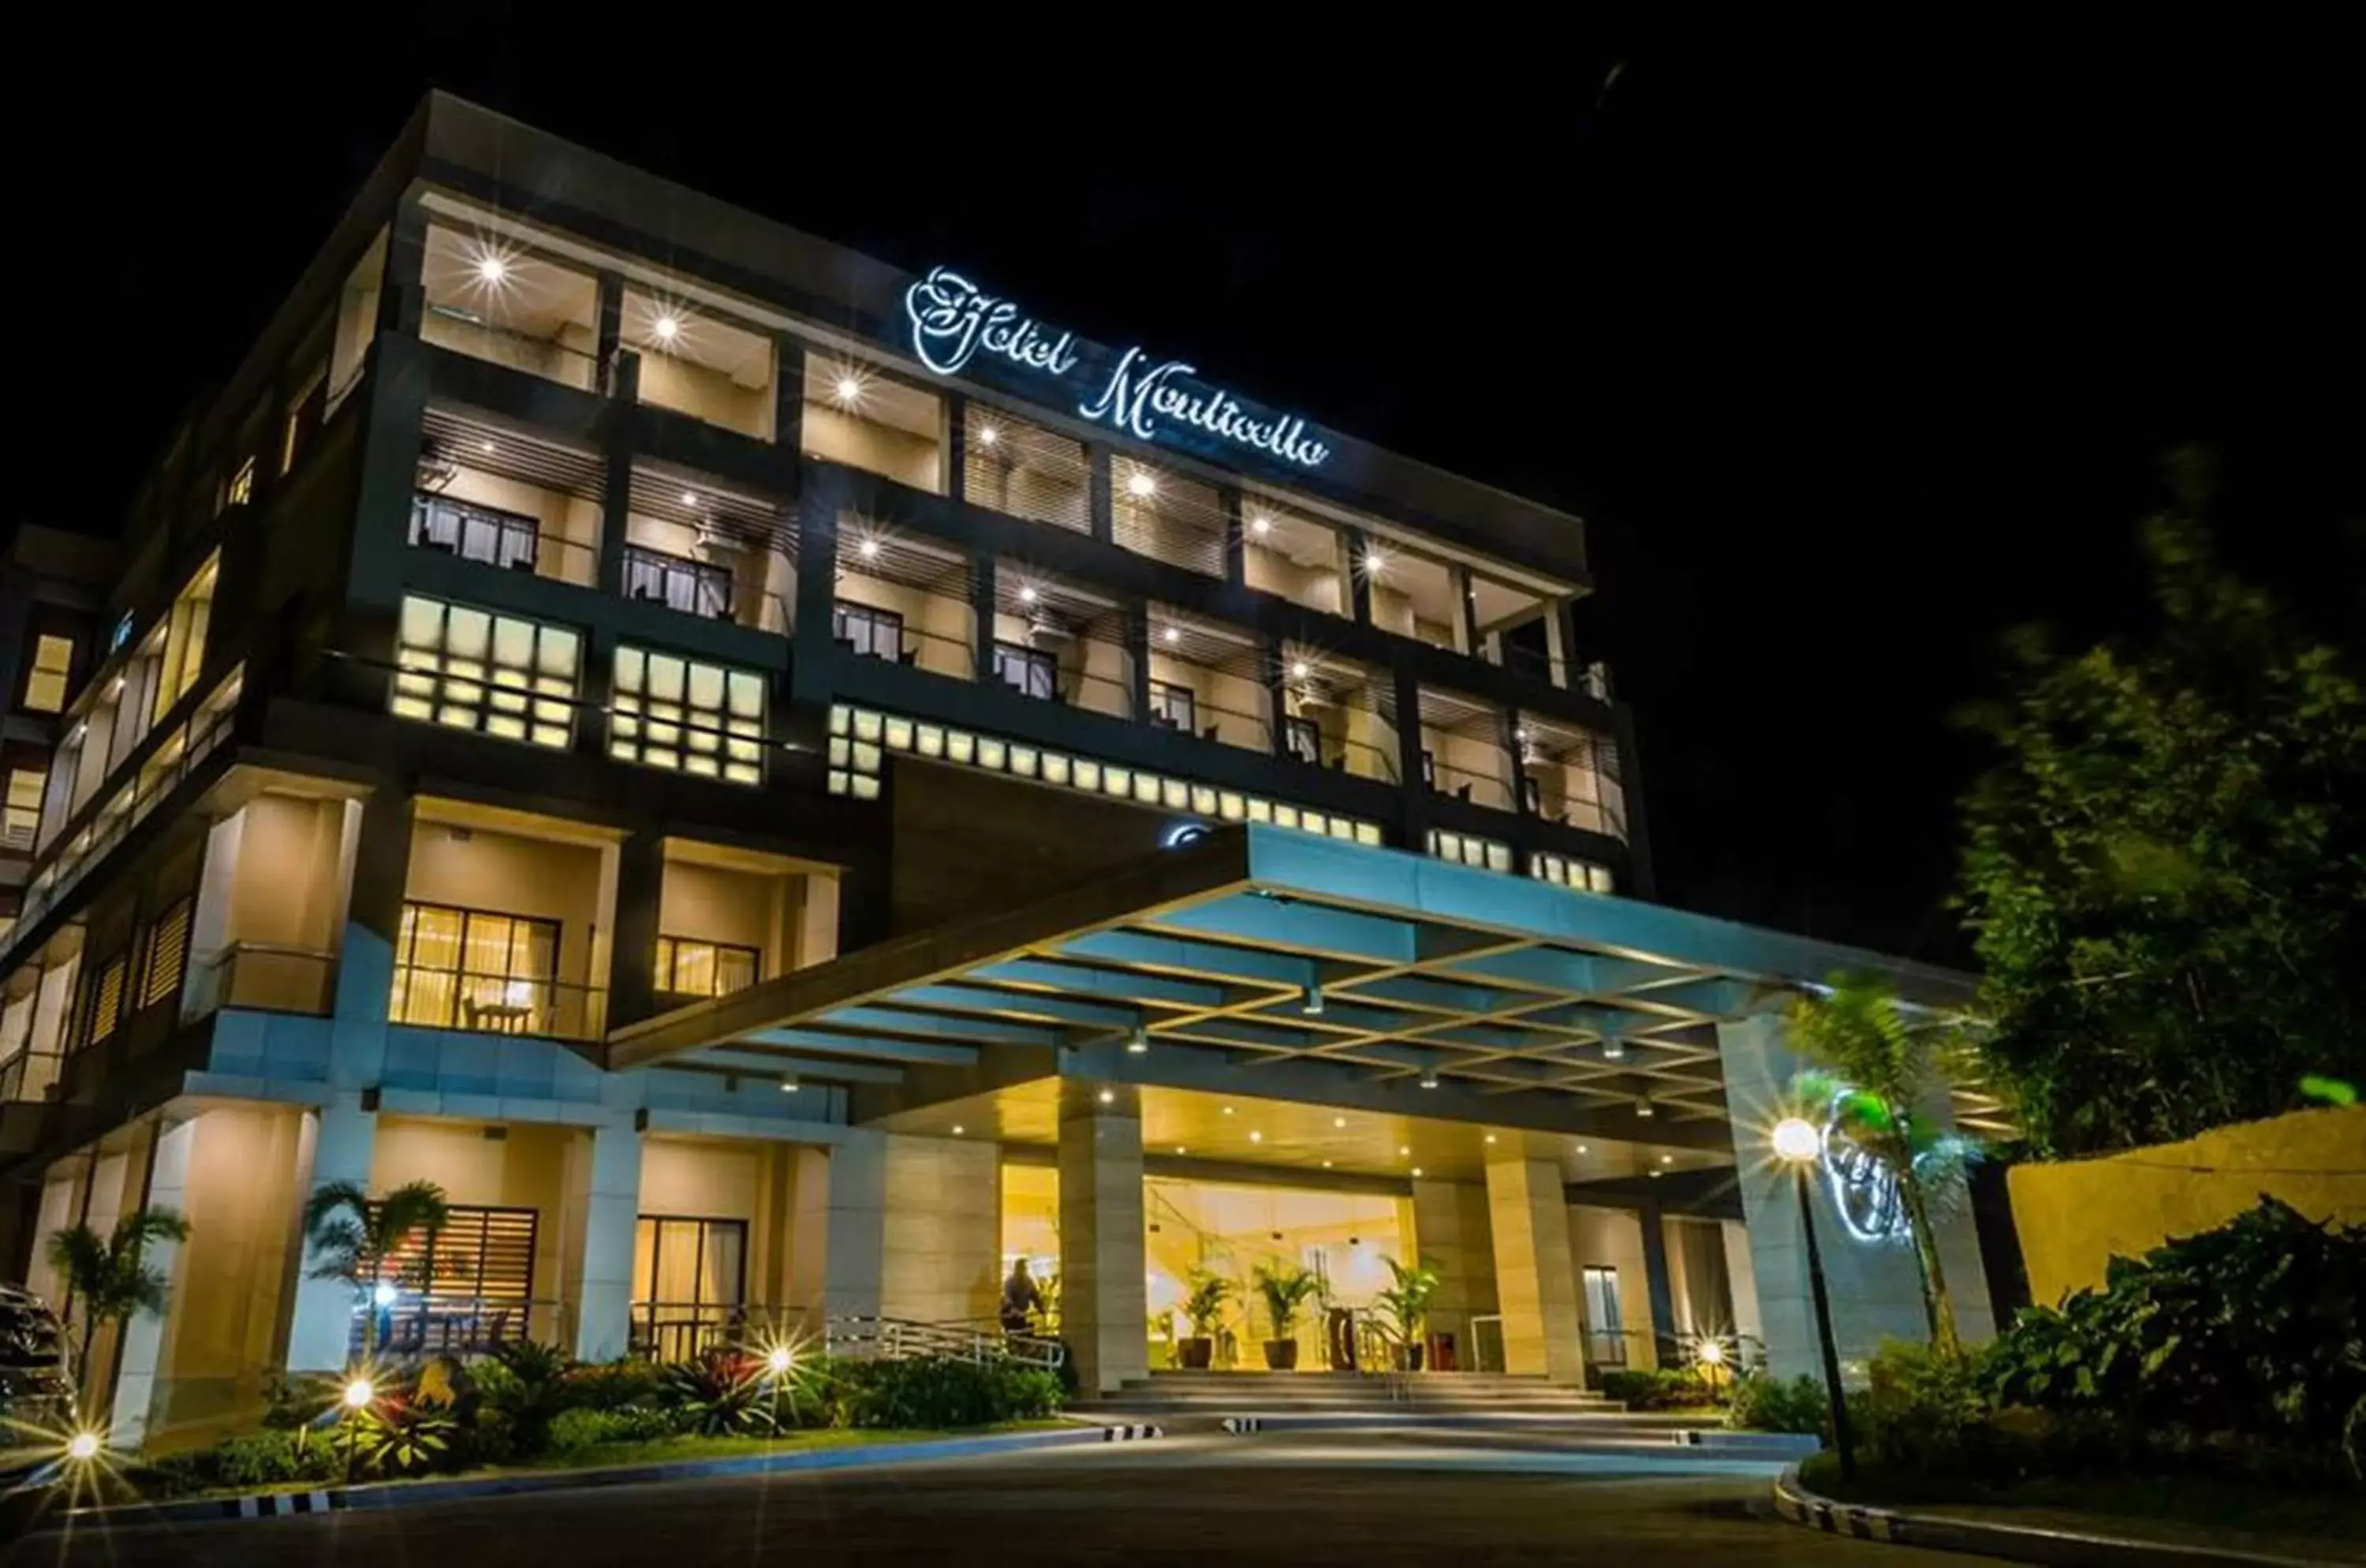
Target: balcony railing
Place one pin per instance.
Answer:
(678, 582)
(1479, 788)
(266, 976)
(465, 332)
(413, 1327)
(510, 540)
(497, 1004)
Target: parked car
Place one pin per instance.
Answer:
(36, 1403)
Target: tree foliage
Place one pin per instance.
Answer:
(353, 1237)
(106, 1277)
(2164, 871)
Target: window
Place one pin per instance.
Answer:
(1173, 706)
(1026, 669)
(471, 969)
(241, 484)
(874, 634)
(45, 688)
(677, 582)
(694, 718)
(1605, 1339)
(473, 670)
(689, 1278)
(168, 954)
(688, 967)
(478, 1288)
(23, 809)
(475, 532)
(1302, 740)
(106, 998)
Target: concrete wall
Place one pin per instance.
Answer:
(2074, 1217)
(739, 908)
(942, 1253)
(717, 1181)
(1876, 1286)
(833, 434)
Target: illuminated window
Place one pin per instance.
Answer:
(45, 688)
(497, 674)
(168, 954)
(471, 969)
(1173, 706)
(868, 632)
(694, 718)
(23, 811)
(241, 484)
(107, 1000)
(688, 967)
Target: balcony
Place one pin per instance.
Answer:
(1338, 714)
(1209, 680)
(706, 550)
(695, 362)
(728, 917)
(1570, 776)
(1024, 470)
(264, 976)
(1167, 517)
(1414, 595)
(492, 299)
(1462, 750)
(1290, 554)
(853, 415)
(905, 600)
(1059, 642)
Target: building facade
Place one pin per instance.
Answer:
(785, 787)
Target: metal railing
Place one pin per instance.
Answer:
(497, 1004)
(464, 331)
(1468, 783)
(263, 975)
(678, 582)
(416, 1327)
(981, 1342)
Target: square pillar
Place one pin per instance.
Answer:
(838, 1223)
(610, 1206)
(1104, 1298)
(140, 1352)
(1452, 1226)
(1536, 1283)
(942, 1248)
(343, 1136)
(633, 952)
(365, 955)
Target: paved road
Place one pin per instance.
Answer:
(1307, 1500)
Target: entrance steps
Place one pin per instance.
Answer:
(1417, 1394)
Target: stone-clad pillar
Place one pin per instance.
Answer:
(612, 1207)
(344, 1136)
(1536, 1283)
(1104, 1300)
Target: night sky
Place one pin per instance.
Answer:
(1854, 351)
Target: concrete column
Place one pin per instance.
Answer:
(837, 1228)
(141, 1358)
(1875, 1284)
(982, 569)
(611, 1205)
(1452, 1235)
(617, 425)
(1100, 498)
(1658, 1286)
(1104, 1299)
(1536, 1284)
(941, 1256)
(632, 967)
(365, 955)
(342, 1138)
(1356, 543)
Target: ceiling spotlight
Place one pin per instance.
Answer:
(1612, 1048)
(487, 448)
(1299, 670)
(1338, 1121)
(1228, 1110)
(1643, 1106)
(1326, 1165)
(1260, 525)
(1581, 1148)
(1405, 1150)
(665, 329)
(1491, 1137)
(1417, 1171)
(1178, 1148)
(868, 550)
(1312, 1005)
(1140, 485)
(689, 498)
(1137, 1041)
(492, 269)
(1429, 1078)
(83, 1446)
(958, 1129)
(1255, 1137)
(1375, 563)
(848, 389)
(1109, 1097)
(789, 1084)
(1171, 636)
(1027, 595)
(988, 436)
(1667, 1160)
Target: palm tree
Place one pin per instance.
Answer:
(352, 1235)
(105, 1277)
(1878, 1073)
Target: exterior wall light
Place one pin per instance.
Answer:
(789, 1084)
(1429, 1078)
(1137, 1041)
(1643, 1106)
(1141, 486)
(665, 329)
(1312, 1005)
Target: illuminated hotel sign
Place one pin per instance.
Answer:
(954, 322)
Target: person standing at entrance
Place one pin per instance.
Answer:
(1021, 1298)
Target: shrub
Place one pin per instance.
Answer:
(612, 1386)
(2247, 1334)
(572, 1431)
(269, 1458)
(1926, 1411)
(523, 1385)
(1763, 1403)
(723, 1392)
(936, 1391)
(401, 1439)
(1665, 1388)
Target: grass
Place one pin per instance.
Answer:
(2190, 1509)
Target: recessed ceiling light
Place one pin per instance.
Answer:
(1326, 1165)
(492, 269)
(1140, 485)
(957, 1129)
(1429, 1078)
(1027, 595)
(1667, 1160)
(1299, 670)
(868, 550)
(1375, 563)
(1338, 1121)
(848, 389)
(1581, 1148)
(988, 436)
(1255, 1137)
(1172, 635)
(665, 329)
(689, 498)
(1228, 1110)
(1417, 1171)
(1260, 525)
(1491, 1137)
(789, 1085)
(1403, 1149)
(1109, 1097)
(1178, 1148)
(487, 448)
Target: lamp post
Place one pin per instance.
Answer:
(1798, 1144)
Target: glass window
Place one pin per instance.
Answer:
(689, 1280)
(168, 954)
(45, 688)
(106, 998)
(874, 634)
(478, 1286)
(1026, 669)
(688, 967)
(1304, 739)
(473, 670)
(23, 809)
(472, 969)
(1606, 1341)
(691, 716)
(241, 484)
(678, 582)
(475, 532)
(1172, 707)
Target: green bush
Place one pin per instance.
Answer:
(2249, 1335)
(612, 1385)
(1927, 1412)
(1763, 1403)
(522, 1386)
(572, 1431)
(1665, 1388)
(724, 1393)
(933, 1392)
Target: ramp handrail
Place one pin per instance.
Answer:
(980, 1344)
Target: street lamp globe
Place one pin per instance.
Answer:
(83, 1446)
(358, 1394)
(1795, 1138)
(779, 1359)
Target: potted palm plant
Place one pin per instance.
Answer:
(1285, 1290)
(1204, 1305)
(1403, 1307)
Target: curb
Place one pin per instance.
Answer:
(1341, 1420)
(2020, 1543)
(417, 1493)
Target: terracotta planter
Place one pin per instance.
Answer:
(1196, 1354)
(1282, 1354)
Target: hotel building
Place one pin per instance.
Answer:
(783, 786)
